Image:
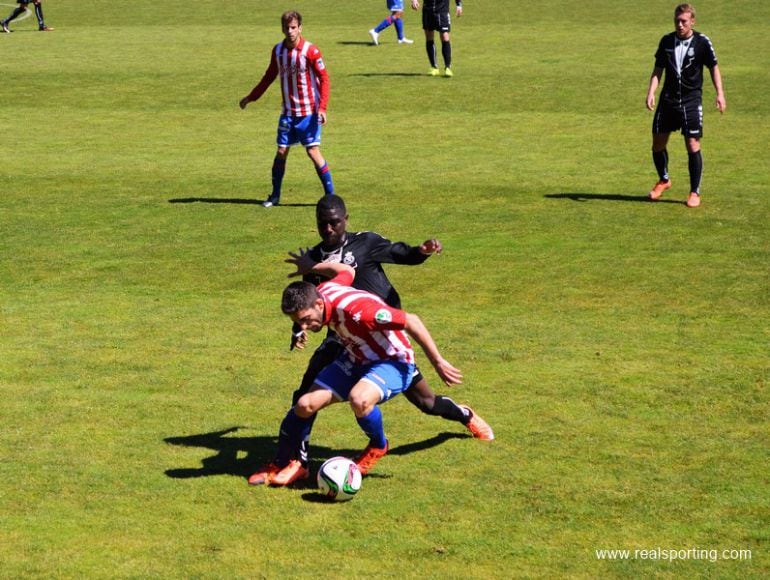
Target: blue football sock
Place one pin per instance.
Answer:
(372, 426)
(399, 28)
(384, 24)
(326, 178)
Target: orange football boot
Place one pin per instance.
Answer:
(289, 474)
(658, 190)
(479, 427)
(263, 476)
(369, 457)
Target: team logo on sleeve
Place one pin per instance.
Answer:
(321, 65)
(383, 316)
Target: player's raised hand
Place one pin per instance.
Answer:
(302, 261)
(432, 246)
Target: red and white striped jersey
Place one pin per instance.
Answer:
(370, 329)
(303, 77)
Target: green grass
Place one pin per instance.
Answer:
(618, 348)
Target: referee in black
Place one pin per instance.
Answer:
(435, 17)
(682, 54)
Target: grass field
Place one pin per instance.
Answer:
(618, 347)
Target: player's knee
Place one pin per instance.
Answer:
(361, 406)
(304, 408)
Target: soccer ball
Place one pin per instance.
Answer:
(339, 479)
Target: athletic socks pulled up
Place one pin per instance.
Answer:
(372, 425)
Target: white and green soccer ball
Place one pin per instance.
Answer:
(339, 479)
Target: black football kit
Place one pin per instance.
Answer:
(680, 105)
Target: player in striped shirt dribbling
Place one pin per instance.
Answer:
(376, 365)
(305, 89)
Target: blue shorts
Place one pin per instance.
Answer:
(296, 130)
(396, 5)
(390, 377)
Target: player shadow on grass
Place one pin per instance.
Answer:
(390, 74)
(233, 200)
(242, 456)
(608, 197)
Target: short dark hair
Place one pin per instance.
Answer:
(298, 296)
(331, 203)
(290, 15)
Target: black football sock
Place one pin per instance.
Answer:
(19, 10)
(39, 14)
(695, 164)
(430, 48)
(303, 453)
(448, 409)
(660, 159)
(446, 52)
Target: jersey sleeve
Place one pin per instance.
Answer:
(660, 55)
(382, 317)
(319, 68)
(710, 55)
(267, 79)
(384, 251)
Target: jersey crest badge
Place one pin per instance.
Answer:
(349, 259)
(383, 316)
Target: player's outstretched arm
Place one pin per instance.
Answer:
(417, 330)
(306, 265)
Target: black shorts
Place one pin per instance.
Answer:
(436, 21)
(687, 117)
